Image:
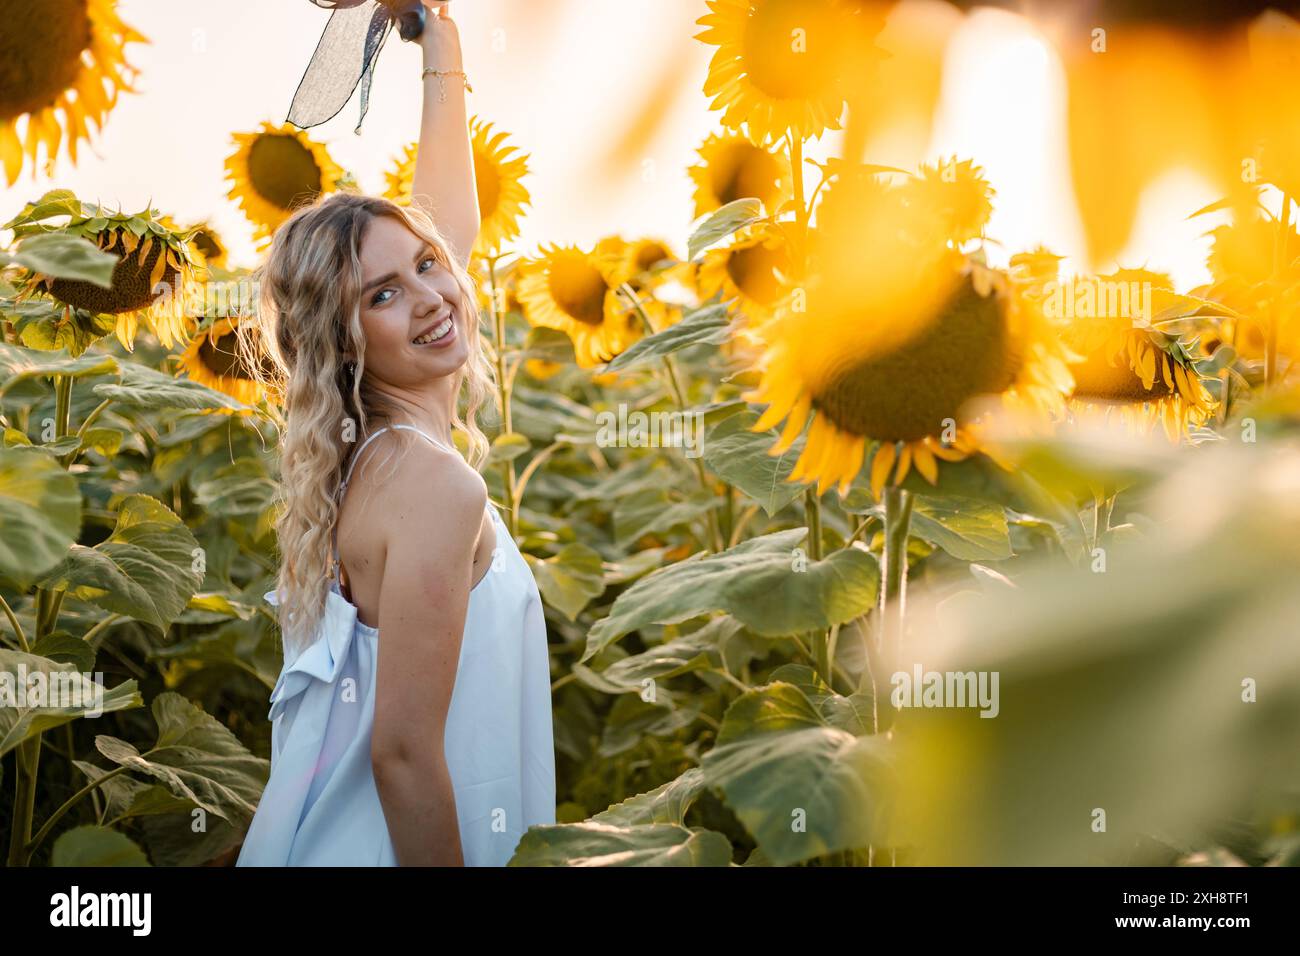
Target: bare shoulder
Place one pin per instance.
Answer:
(432, 501)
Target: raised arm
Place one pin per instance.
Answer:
(443, 182)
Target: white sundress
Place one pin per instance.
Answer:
(321, 807)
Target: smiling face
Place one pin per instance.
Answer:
(411, 311)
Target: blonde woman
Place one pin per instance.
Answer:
(412, 718)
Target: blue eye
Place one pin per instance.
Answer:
(378, 301)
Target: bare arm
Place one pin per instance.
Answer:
(431, 530)
(443, 182)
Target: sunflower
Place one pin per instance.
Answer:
(213, 359)
(959, 196)
(542, 369)
(905, 389)
(651, 267)
(731, 167)
(894, 354)
(498, 176)
(210, 249)
(58, 55)
(780, 66)
(155, 277)
(576, 292)
(753, 272)
(274, 171)
(1242, 262)
(1146, 375)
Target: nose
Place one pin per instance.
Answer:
(431, 300)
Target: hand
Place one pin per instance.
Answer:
(441, 38)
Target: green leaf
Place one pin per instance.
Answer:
(106, 441)
(655, 511)
(1164, 689)
(693, 652)
(802, 788)
(40, 513)
(508, 447)
(66, 257)
(967, 528)
(240, 488)
(852, 713)
(56, 202)
(64, 648)
(664, 804)
(232, 645)
(728, 220)
(96, 846)
(50, 326)
(144, 570)
(78, 694)
(144, 387)
(195, 758)
(220, 604)
(631, 720)
(601, 844)
(767, 582)
(126, 797)
(19, 364)
(739, 457)
(708, 325)
(571, 580)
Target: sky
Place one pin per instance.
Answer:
(606, 98)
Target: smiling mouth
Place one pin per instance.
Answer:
(434, 333)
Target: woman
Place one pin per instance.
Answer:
(412, 719)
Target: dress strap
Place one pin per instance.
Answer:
(424, 435)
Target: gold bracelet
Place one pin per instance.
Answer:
(442, 83)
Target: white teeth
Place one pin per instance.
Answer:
(436, 334)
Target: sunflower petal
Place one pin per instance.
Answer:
(880, 467)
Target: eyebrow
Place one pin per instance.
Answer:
(419, 257)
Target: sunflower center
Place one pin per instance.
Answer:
(754, 271)
(489, 185)
(907, 393)
(1097, 379)
(207, 244)
(40, 52)
(649, 254)
(220, 355)
(790, 48)
(579, 289)
(131, 289)
(283, 171)
(751, 172)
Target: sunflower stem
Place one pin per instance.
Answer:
(801, 210)
(893, 595)
(13, 622)
(813, 518)
(503, 395)
(27, 756)
(679, 395)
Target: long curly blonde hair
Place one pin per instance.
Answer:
(308, 320)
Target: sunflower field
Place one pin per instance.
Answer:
(863, 539)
